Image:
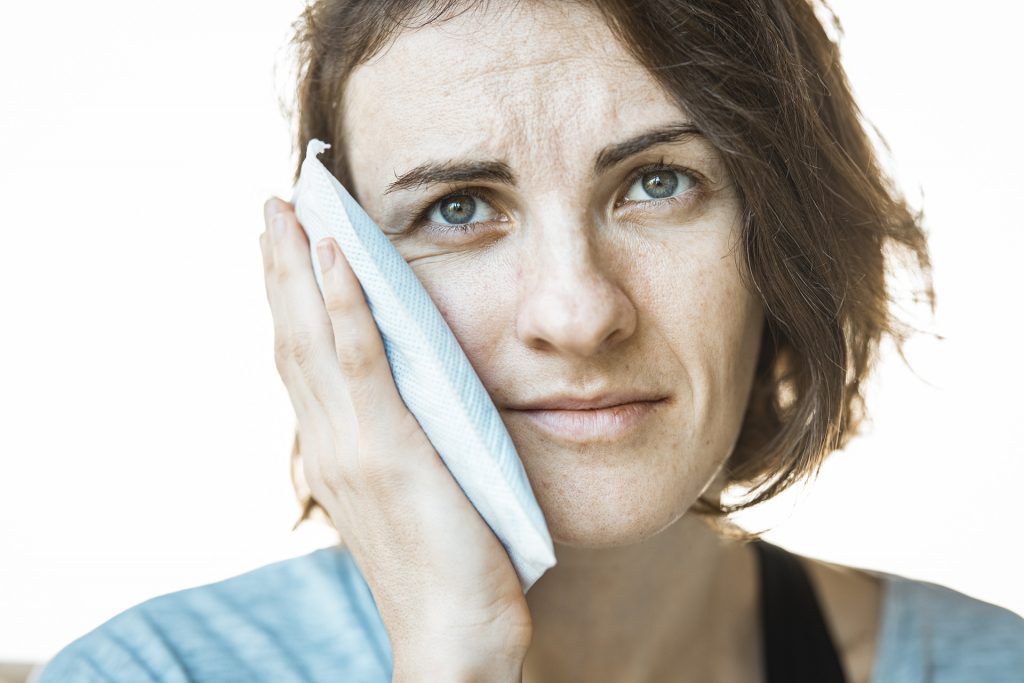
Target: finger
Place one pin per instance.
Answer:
(360, 349)
(303, 331)
(316, 436)
(283, 311)
(302, 399)
(272, 207)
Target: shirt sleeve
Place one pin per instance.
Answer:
(123, 649)
(934, 634)
(306, 620)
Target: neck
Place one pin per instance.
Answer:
(679, 605)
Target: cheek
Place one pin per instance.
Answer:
(695, 295)
(476, 297)
(689, 298)
(698, 305)
(717, 316)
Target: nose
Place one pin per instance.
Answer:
(569, 298)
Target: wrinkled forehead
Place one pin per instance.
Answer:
(541, 85)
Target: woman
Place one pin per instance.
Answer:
(670, 207)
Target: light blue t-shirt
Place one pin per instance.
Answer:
(312, 619)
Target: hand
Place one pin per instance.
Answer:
(444, 585)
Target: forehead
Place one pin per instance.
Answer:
(526, 82)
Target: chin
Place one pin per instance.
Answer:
(589, 535)
(608, 495)
(610, 511)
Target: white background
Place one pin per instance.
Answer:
(145, 432)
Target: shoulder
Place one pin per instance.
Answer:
(930, 629)
(309, 618)
(892, 628)
(851, 601)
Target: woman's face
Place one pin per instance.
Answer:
(563, 272)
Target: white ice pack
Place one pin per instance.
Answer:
(431, 370)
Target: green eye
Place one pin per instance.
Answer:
(660, 183)
(460, 209)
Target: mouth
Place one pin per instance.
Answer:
(606, 424)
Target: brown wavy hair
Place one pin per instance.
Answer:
(821, 221)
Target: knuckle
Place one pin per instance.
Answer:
(282, 365)
(339, 301)
(356, 361)
(282, 357)
(280, 266)
(281, 348)
(301, 347)
(367, 472)
(296, 347)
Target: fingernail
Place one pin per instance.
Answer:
(325, 253)
(278, 226)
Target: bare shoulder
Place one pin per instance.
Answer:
(852, 602)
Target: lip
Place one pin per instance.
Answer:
(592, 425)
(605, 399)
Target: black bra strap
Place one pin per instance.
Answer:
(798, 647)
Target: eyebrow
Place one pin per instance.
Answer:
(456, 171)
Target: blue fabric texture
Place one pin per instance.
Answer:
(313, 619)
(934, 634)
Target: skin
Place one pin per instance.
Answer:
(575, 294)
(571, 281)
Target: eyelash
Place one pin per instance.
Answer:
(694, 193)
